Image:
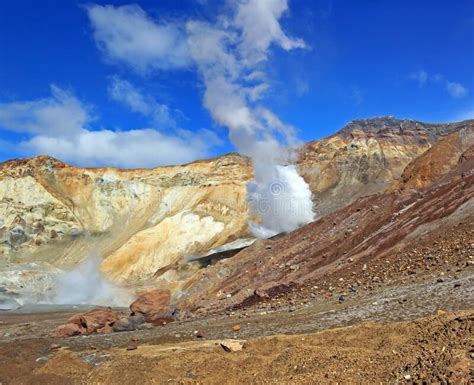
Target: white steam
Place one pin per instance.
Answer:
(283, 203)
(230, 55)
(86, 285)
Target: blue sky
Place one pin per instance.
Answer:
(110, 83)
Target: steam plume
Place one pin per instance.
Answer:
(230, 57)
(86, 285)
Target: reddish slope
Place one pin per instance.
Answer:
(371, 228)
(437, 161)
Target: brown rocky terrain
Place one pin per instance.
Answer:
(362, 244)
(435, 349)
(366, 156)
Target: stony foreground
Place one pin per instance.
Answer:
(437, 348)
(358, 340)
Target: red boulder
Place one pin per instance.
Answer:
(154, 305)
(68, 330)
(97, 319)
(94, 321)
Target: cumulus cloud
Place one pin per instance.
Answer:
(126, 93)
(128, 36)
(229, 55)
(232, 85)
(58, 126)
(133, 148)
(454, 89)
(60, 114)
(420, 76)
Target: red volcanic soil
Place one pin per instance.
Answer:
(376, 240)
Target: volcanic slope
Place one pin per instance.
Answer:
(373, 241)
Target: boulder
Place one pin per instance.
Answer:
(123, 325)
(78, 319)
(200, 334)
(68, 330)
(231, 346)
(94, 321)
(154, 305)
(137, 319)
(107, 329)
(127, 324)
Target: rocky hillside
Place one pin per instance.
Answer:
(366, 156)
(139, 220)
(146, 221)
(377, 239)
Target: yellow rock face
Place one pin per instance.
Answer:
(138, 220)
(199, 219)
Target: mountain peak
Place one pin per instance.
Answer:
(28, 166)
(384, 124)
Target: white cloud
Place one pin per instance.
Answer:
(126, 93)
(127, 35)
(232, 85)
(256, 93)
(61, 114)
(134, 148)
(420, 76)
(76, 143)
(229, 56)
(454, 89)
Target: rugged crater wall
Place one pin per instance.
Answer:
(138, 220)
(365, 157)
(145, 220)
